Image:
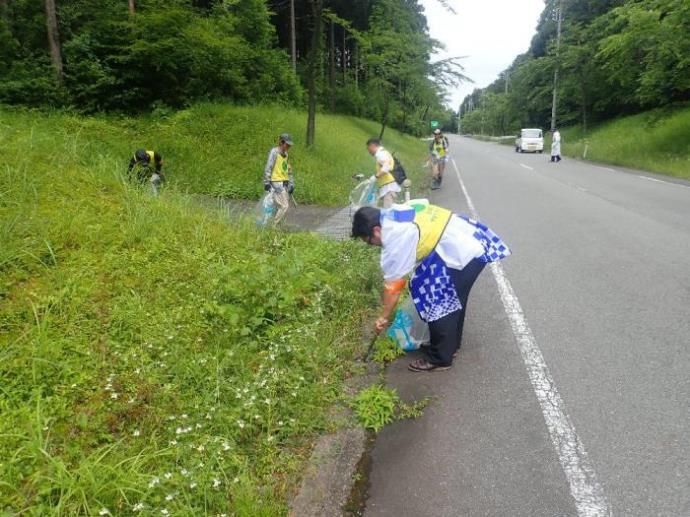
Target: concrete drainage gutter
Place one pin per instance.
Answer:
(334, 484)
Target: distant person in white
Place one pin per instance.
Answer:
(387, 187)
(556, 146)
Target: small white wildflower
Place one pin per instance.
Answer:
(241, 424)
(198, 426)
(216, 483)
(171, 337)
(173, 442)
(137, 371)
(208, 416)
(114, 396)
(281, 423)
(226, 447)
(184, 416)
(154, 482)
(200, 448)
(192, 486)
(131, 400)
(104, 511)
(236, 480)
(270, 438)
(136, 432)
(267, 402)
(169, 497)
(167, 475)
(165, 512)
(138, 507)
(184, 472)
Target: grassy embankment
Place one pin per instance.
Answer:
(221, 150)
(151, 356)
(656, 141)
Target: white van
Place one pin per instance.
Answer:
(530, 141)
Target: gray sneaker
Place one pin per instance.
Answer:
(435, 184)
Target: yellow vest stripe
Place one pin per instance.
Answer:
(387, 178)
(431, 222)
(281, 169)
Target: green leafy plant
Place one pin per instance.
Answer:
(386, 350)
(376, 406)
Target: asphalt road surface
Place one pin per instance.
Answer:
(571, 395)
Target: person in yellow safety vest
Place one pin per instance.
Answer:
(387, 187)
(278, 177)
(438, 155)
(147, 166)
(443, 254)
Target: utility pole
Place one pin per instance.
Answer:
(293, 36)
(460, 120)
(554, 102)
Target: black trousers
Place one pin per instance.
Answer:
(446, 333)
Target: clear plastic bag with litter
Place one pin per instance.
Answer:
(265, 209)
(408, 330)
(364, 194)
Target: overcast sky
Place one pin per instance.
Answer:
(491, 33)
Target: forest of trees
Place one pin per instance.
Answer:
(370, 58)
(616, 57)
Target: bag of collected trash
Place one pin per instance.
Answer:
(264, 210)
(408, 330)
(364, 194)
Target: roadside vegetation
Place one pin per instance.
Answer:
(153, 356)
(656, 141)
(623, 79)
(212, 148)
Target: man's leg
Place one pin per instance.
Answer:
(388, 200)
(282, 200)
(464, 280)
(443, 339)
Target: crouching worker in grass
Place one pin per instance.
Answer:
(278, 177)
(444, 254)
(147, 167)
(385, 181)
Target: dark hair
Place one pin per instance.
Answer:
(142, 155)
(374, 141)
(364, 221)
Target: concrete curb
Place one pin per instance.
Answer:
(328, 480)
(330, 475)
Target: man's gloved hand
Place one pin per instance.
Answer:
(267, 186)
(291, 188)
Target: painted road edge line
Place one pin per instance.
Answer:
(586, 490)
(526, 167)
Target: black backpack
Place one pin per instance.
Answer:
(398, 171)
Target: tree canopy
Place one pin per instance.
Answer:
(616, 57)
(370, 58)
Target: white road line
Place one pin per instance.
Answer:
(651, 179)
(526, 167)
(604, 168)
(589, 496)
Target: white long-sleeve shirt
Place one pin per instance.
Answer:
(457, 246)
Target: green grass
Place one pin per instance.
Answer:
(219, 149)
(656, 141)
(150, 350)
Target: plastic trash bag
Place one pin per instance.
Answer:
(408, 330)
(265, 209)
(364, 194)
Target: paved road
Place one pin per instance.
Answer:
(601, 270)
